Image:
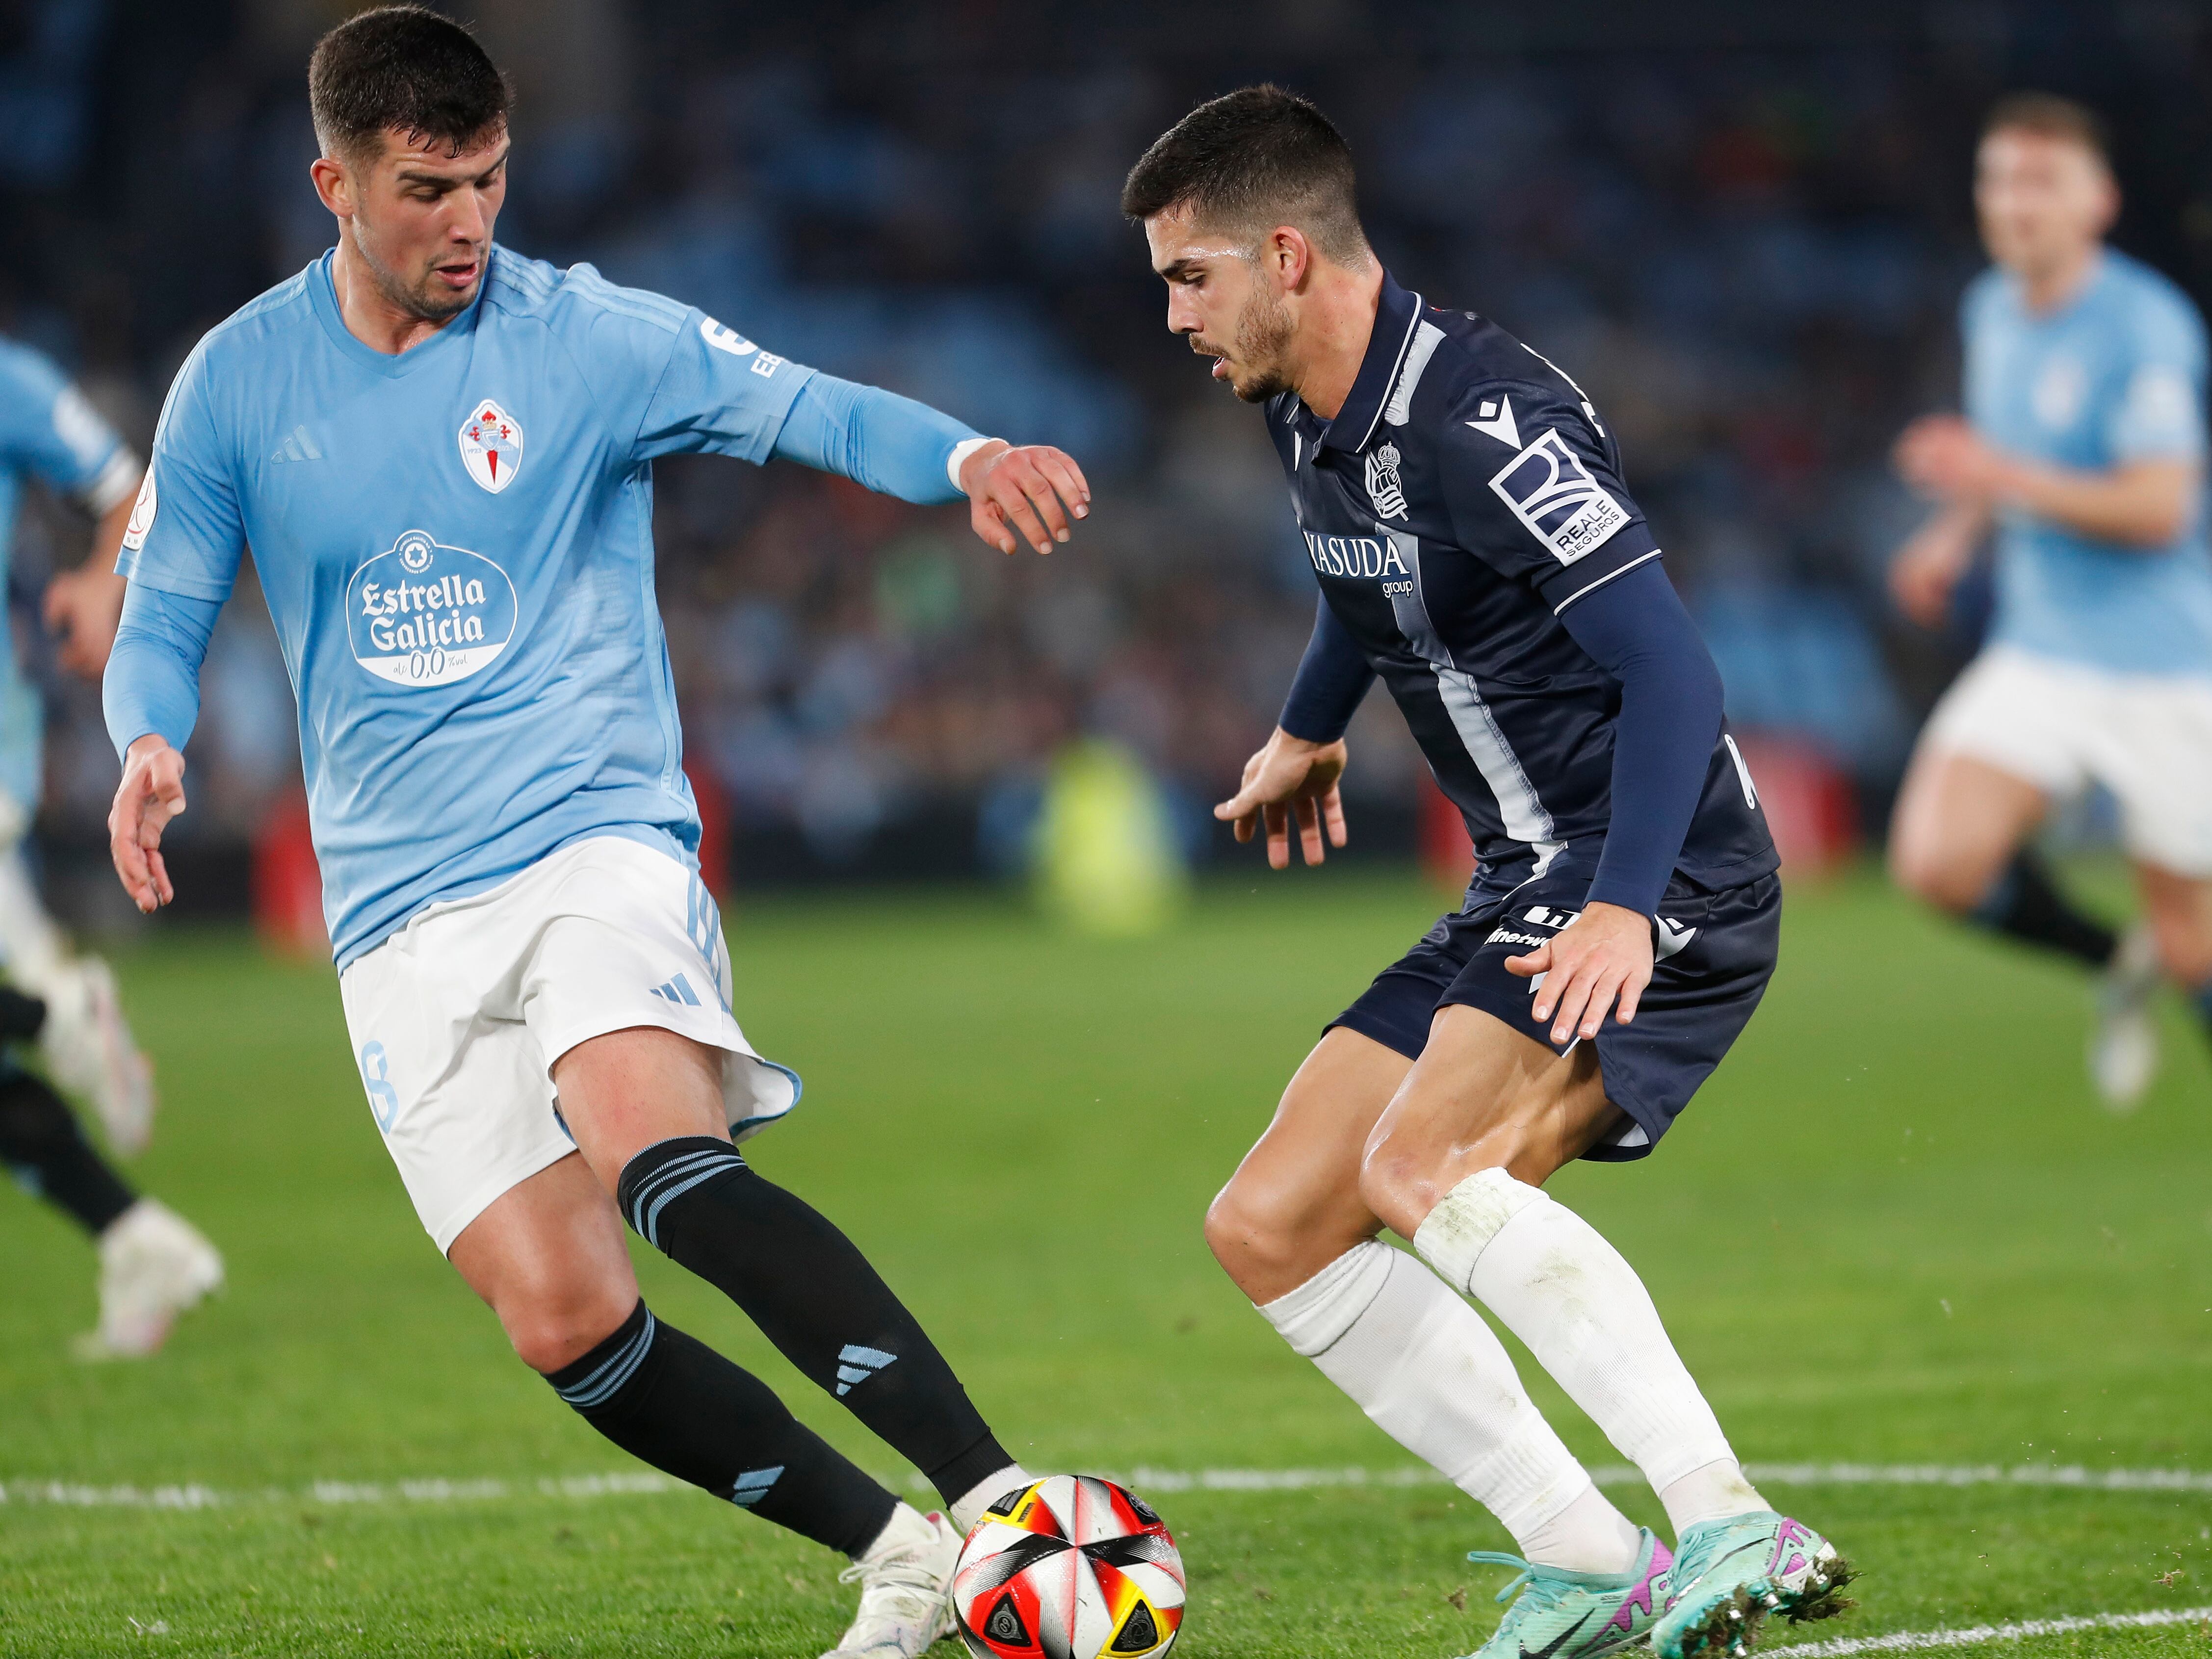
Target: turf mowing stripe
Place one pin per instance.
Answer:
(71, 1494)
(1967, 1636)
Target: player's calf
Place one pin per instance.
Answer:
(675, 1403)
(813, 1294)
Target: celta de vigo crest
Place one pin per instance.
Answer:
(491, 445)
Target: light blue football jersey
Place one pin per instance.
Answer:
(49, 431)
(456, 546)
(2115, 375)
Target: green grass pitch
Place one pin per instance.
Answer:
(1893, 1230)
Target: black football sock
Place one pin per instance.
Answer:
(47, 1153)
(2026, 904)
(674, 1402)
(2201, 999)
(812, 1294)
(21, 1016)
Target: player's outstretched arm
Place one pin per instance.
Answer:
(897, 447)
(152, 792)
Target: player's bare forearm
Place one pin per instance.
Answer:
(2144, 504)
(1291, 778)
(1031, 491)
(2138, 504)
(1600, 960)
(150, 794)
(83, 606)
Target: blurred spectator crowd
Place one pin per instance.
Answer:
(1749, 250)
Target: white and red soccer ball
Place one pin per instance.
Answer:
(1073, 1567)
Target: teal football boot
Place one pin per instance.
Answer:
(1731, 1573)
(1578, 1615)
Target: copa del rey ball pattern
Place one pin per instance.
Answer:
(1074, 1567)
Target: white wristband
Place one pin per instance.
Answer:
(958, 458)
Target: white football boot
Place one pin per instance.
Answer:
(90, 1052)
(906, 1588)
(153, 1265)
(2123, 1047)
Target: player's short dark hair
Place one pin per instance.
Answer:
(403, 68)
(1250, 160)
(2048, 116)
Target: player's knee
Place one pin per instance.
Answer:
(1262, 1243)
(2184, 943)
(552, 1325)
(1937, 875)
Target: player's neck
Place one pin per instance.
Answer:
(369, 316)
(1336, 322)
(2055, 286)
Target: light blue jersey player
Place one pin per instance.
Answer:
(441, 454)
(154, 1264)
(2082, 448)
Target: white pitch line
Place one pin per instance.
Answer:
(77, 1494)
(1968, 1636)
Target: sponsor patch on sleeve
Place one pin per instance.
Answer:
(1552, 492)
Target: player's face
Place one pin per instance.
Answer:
(422, 220)
(1219, 300)
(2043, 201)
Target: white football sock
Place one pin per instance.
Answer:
(1583, 1313)
(968, 1509)
(1436, 1379)
(1709, 1493)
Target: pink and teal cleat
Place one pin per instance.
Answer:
(1578, 1615)
(1731, 1573)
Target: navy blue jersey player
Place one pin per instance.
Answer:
(1463, 505)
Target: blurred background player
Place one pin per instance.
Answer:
(2082, 447)
(154, 1264)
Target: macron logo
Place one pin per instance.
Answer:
(677, 991)
(856, 1364)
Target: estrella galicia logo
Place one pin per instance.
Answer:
(421, 613)
(1384, 487)
(1551, 492)
(376, 1077)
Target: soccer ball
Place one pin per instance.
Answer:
(1073, 1567)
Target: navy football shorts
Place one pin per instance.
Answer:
(1715, 952)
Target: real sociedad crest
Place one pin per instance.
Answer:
(491, 445)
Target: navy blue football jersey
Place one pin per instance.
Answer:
(1465, 496)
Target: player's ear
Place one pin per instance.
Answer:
(1289, 257)
(333, 185)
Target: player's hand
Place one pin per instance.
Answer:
(1290, 777)
(151, 793)
(1941, 455)
(82, 609)
(1031, 491)
(1603, 956)
(1926, 570)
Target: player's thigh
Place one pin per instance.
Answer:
(1293, 1206)
(1482, 1096)
(549, 1256)
(1959, 821)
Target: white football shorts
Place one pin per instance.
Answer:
(2064, 725)
(458, 1018)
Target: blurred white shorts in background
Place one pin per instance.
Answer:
(2064, 725)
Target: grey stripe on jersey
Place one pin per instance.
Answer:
(1426, 338)
(1520, 808)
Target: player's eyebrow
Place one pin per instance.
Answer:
(446, 180)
